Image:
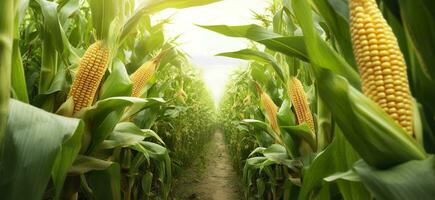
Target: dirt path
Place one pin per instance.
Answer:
(211, 177)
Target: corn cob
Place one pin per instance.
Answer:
(91, 71)
(381, 64)
(270, 108)
(144, 73)
(300, 102)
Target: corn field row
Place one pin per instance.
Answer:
(103, 105)
(97, 102)
(325, 109)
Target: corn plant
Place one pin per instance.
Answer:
(238, 98)
(7, 30)
(361, 145)
(189, 119)
(78, 134)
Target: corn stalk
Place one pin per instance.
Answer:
(6, 40)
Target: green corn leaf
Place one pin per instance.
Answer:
(291, 45)
(84, 164)
(117, 83)
(337, 157)
(250, 54)
(378, 139)
(103, 14)
(302, 131)
(48, 147)
(101, 118)
(335, 13)
(410, 180)
(420, 30)
(18, 80)
(322, 55)
(126, 134)
(106, 184)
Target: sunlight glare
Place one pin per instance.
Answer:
(202, 45)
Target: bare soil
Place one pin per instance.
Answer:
(211, 177)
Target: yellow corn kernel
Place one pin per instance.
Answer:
(381, 64)
(141, 77)
(144, 73)
(270, 108)
(92, 68)
(300, 102)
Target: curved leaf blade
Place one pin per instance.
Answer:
(31, 150)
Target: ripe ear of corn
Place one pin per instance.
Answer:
(300, 102)
(381, 64)
(270, 108)
(144, 73)
(141, 77)
(92, 68)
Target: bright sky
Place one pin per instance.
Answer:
(202, 44)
